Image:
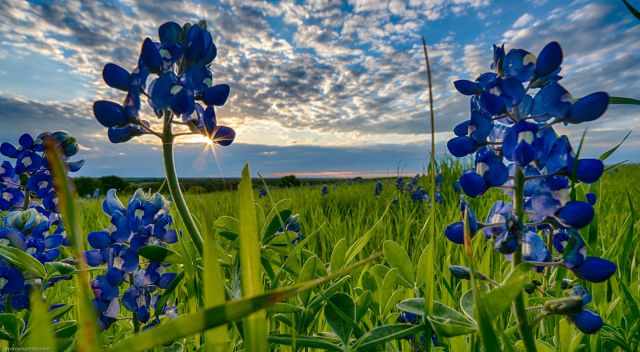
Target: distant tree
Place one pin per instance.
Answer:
(109, 182)
(289, 181)
(197, 189)
(86, 185)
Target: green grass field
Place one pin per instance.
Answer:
(351, 213)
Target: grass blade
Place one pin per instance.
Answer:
(215, 339)
(622, 100)
(190, 324)
(87, 338)
(255, 325)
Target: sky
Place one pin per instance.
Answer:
(318, 88)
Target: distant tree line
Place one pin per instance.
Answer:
(87, 186)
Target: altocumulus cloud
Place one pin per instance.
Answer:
(324, 86)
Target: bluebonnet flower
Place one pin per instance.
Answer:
(510, 130)
(324, 190)
(418, 194)
(400, 183)
(33, 233)
(378, 188)
(292, 225)
(28, 182)
(144, 221)
(585, 320)
(183, 86)
(262, 193)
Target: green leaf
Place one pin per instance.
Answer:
(398, 258)
(24, 261)
(448, 322)
(362, 241)
(425, 276)
(338, 255)
(160, 254)
(309, 270)
(40, 336)
(11, 325)
(340, 313)
(379, 336)
(622, 100)
(87, 339)
(255, 326)
(60, 268)
(65, 329)
(500, 298)
(412, 305)
(57, 312)
(317, 342)
(193, 323)
(277, 222)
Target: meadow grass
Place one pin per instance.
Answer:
(351, 210)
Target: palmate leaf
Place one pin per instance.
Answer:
(23, 261)
(87, 339)
(398, 258)
(193, 323)
(340, 313)
(380, 335)
(255, 325)
(277, 222)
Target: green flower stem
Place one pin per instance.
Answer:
(519, 305)
(174, 184)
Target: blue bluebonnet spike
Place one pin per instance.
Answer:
(378, 188)
(324, 190)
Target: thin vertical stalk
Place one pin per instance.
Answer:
(432, 166)
(519, 305)
(174, 185)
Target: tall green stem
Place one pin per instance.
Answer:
(521, 312)
(174, 184)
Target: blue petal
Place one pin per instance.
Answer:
(26, 141)
(112, 204)
(183, 102)
(166, 279)
(595, 269)
(461, 146)
(492, 103)
(472, 184)
(591, 198)
(8, 150)
(169, 33)
(575, 214)
(467, 87)
(75, 165)
(523, 154)
(589, 170)
(223, 135)
(94, 257)
(518, 63)
(455, 232)
(587, 321)
(150, 56)
(551, 101)
(160, 90)
(109, 114)
(549, 60)
(99, 239)
(216, 95)
(512, 91)
(588, 108)
(116, 76)
(124, 134)
(462, 129)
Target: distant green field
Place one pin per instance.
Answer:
(349, 211)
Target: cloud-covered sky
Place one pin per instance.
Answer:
(320, 87)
